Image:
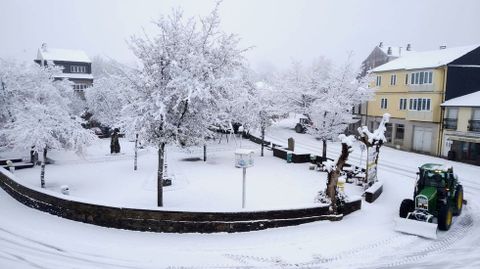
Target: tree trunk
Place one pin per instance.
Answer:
(161, 163)
(324, 150)
(204, 152)
(42, 171)
(263, 140)
(136, 153)
(333, 176)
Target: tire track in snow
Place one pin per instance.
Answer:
(455, 234)
(23, 249)
(352, 258)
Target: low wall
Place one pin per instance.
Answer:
(372, 193)
(296, 157)
(166, 221)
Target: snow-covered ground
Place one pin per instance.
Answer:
(215, 185)
(364, 239)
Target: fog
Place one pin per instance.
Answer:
(278, 31)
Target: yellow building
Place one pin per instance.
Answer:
(412, 89)
(461, 132)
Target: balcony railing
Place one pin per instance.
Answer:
(474, 125)
(450, 124)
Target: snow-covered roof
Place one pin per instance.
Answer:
(68, 55)
(426, 59)
(469, 100)
(395, 51)
(74, 75)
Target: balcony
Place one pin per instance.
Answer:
(474, 125)
(421, 87)
(450, 124)
(419, 115)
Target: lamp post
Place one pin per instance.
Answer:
(244, 159)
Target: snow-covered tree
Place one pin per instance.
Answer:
(267, 106)
(331, 112)
(40, 112)
(298, 86)
(107, 98)
(189, 69)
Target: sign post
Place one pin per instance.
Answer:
(371, 166)
(244, 159)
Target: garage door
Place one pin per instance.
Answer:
(422, 139)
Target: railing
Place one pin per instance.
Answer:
(419, 115)
(474, 125)
(450, 124)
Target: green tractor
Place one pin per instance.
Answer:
(438, 196)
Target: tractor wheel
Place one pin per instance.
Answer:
(458, 200)
(406, 207)
(298, 128)
(445, 216)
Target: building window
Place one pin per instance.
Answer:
(400, 131)
(450, 121)
(406, 79)
(476, 114)
(384, 103)
(420, 104)
(80, 86)
(403, 104)
(418, 78)
(379, 81)
(393, 79)
(78, 69)
(474, 123)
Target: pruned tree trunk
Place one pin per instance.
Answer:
(263, 140)
(136, 153)
(204, 152)
(334, 174)
(42, 171)
(161, 165)
(324, 150)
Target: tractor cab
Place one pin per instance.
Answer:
(436, 176)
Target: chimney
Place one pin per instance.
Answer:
(44, 46)
(409, 47)
(442, 47)
(380, 45)
(400, 51)
(389, 51)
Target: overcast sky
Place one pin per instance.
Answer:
(279, 30)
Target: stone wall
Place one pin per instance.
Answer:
(166, 221)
